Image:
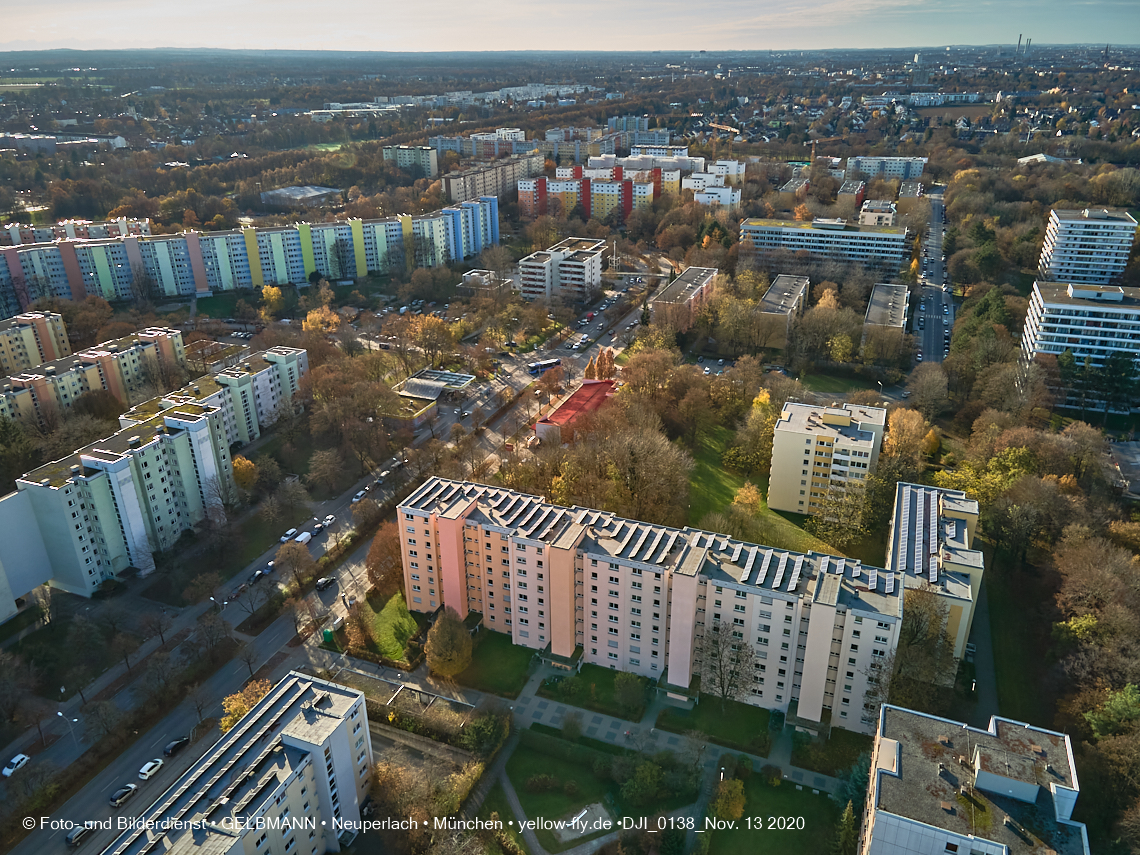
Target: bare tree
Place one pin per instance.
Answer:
(200, 699)
(102, 718)
(727, 662)
(156, 623)
(251, 599)
(214, 630)
(248, 656)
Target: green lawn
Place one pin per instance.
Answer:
(525, 763)
(831, 756)
(820, 816)
(394, 625)
(836, 385)
(223, 305)
(496, 802)
(739, 726)
(711, 486)
(597, 692)
(497, 666)
(1016, 654)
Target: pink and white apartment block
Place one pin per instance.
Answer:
(582, 585)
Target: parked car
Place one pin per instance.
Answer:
(77, 834)
(329, 520)
(325, 582)
(289, 535)
(122, 795)
(303, 537)
(17, 762)
(256, 575)
(270, 567)
(359, 496)
(175, 745)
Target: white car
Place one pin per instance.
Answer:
(287, 536)
(17, 762)
(150, 769)
(359, 496)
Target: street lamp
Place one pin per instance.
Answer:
(70, 721)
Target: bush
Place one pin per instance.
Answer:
(602, 767)
(772, 774)
(570, 788)
(744, 767)
(543, 783)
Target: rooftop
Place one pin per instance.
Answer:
(232, 782)
(910, 189)
(821, 226)
(928, 772)
(888, 306)
(877, 205)
(829, 420)
(577, 244)
(681, 289)
(784, 293)
(1113, 216)
(850, 187)
(1110, 296)
(586, 398)
(90, 355)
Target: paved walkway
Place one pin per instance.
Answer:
(987, 700)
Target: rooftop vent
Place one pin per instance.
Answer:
(134, 442)
(50, 371)
(76, 470)
(46, 482)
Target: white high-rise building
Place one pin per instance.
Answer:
(571, 269)
(1087, 246)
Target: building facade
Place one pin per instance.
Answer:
(202, 263)
(419, 159)
(306, 754)
(642, 598)
(569, 270)
(1089, 246)
(679, 302)
(886, 167)
(129, 368)
(16, 233)
(30, 339)
(496, 179)
(877, 212)
(875, 247)
(933, 780)
(817, 449)
(784, 301)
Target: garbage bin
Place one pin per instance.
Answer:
(328, 636)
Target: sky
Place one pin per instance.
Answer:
(436, 25)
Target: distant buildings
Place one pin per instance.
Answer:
(30, 339)
(816, 449)
(885, 167)
(569, 270)
(679, 302)
(872, 246)
(727, 197)
(418, 159)
(1087, 246)
(16, 234)
(877, 212)
(940, 786)
(306, 196)
(496, 179)
(294, 771)
(1090, 321)
(597, 198)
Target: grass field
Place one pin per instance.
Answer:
(325, 146)
(736, 725)
(836, 385)
(762, 802)
(597, 693)
(525, 763)
(393, 625)
(496, 802)
(223, 305)
(497, 666)
(1016, 654)
(20, 622)
(831, 756)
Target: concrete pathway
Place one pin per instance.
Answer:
(984, 672)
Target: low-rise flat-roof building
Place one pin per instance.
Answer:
(941, 786)
(305, 196)
(794, 192)
(785, 300)
(288, 777)
(875, 247)
(888, 306)
(852, 190)
(557, 427)
(679, 302)
(877, 212)
(570, 270)
(485, 282)
(910, 193)
(816, 449)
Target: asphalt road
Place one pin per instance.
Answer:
(934, 320)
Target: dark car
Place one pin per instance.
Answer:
(325, 582)
(256, 575)
(175, 745)
(123, 794)
(78, 834)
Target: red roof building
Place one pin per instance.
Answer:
(586, 399)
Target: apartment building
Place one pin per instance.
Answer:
(885, 167)
(304, 753)
(30, 339)
(599, 192)
(418, 159)
(888, 306)
(816, 449)
(111, 504)
(496, 179)
(1090, 321)
(877, 212)
(941, 786)
(730, 171)
(876, 247)
(640, 597)
(910, 194)
(250, 394)
(569, 270)
(794, 192)
(783, 302)
(127, 368)
(15, 234)
(200, 264)
(728, 197)
(852, 191)
(679, 302)
(1089, 246)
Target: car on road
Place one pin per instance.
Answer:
(77, 834)
(384, 474)
(918, 357)
(150, 769)
(359, 496)
(256, 575)
(700, 359)
(269, 568)
(175, 745)
(329, 520)
(289, 535)
(17, 762)
(318, 528)
(122, 795)
(325, 582)
(945, 310)
(906, 394)
(303, 537)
